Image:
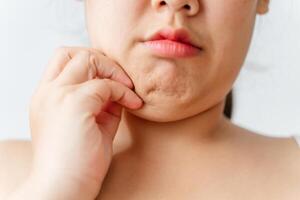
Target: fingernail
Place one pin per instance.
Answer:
(138, 102)
(128, 82)
(92, 68)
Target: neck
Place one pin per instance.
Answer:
(163, 137)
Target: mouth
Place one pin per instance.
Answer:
(172, 43)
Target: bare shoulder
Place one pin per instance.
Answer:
(281, 147)
(15, 163)
(285, 148)
(276, 159)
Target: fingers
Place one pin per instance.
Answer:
(113, 108)
(101, 91)
(106, 67)
(109, 119)
(79, 69)
(56, 64)
(67, 71)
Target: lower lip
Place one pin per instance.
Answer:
(171, 49)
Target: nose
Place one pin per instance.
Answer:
(189, 7)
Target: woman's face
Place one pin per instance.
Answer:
(175, 88)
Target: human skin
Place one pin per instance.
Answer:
(175, 89)
(183, 97)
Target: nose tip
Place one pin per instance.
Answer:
(190, 7)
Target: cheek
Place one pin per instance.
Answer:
(103, 32)
(111, 22)
(230, 29)
(231, 24)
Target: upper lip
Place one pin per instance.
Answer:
(178, 35)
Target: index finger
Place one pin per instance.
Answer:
(106, 67)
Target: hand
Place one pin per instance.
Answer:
(74, 116)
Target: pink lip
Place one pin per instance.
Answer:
(171, 49)
(172, 43)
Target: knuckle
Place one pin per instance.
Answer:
(84, 53)
(63, 50)
(114, 71)
(84, 56)
(97, 51)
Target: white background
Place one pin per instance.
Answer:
(267, 91)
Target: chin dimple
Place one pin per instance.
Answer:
(151, 90)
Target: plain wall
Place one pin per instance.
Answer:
(266, 93)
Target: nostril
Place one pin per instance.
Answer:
(162, 3)
(187, 7)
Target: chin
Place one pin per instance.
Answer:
(165, 109)
(157, 114)
(165, 103)
(160, 107)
